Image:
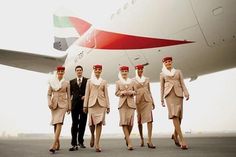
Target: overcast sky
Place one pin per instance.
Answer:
(26, 25)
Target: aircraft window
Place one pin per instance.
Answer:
(126, 6)
(112, 16)
(137, 58)
(118, 11)
(133, 1)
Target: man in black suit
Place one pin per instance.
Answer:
(79, 118)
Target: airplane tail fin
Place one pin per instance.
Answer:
(68, 28)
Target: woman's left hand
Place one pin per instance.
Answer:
(187, 98)
(162, 103)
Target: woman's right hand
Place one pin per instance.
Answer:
(85, 109)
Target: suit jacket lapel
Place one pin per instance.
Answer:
(82, 83)
(75, 82)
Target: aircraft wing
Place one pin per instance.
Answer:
(30, 61)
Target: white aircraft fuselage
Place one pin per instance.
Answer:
(209, 24)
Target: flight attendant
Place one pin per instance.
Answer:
(144, 104)
(96, 103)
(173, 90)
(125, 90)
(59, 103)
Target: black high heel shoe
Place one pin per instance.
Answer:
(52, 150)
(176, 142)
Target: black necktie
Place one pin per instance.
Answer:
(79, 82)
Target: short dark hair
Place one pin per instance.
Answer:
(79, 66)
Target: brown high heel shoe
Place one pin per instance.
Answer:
(184, 147)
(175, 140)
(151, 146)
(92, 142)
(98, 149)
(142, 144)
(130, 148)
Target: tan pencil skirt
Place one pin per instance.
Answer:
(144, 112)
(96, 114)
(174, 105)
(58, 115)
(126, 115)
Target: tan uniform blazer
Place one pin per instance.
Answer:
(176, 82)
(60, 98)
(94, 93)
(123, 87)
(143, 91)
